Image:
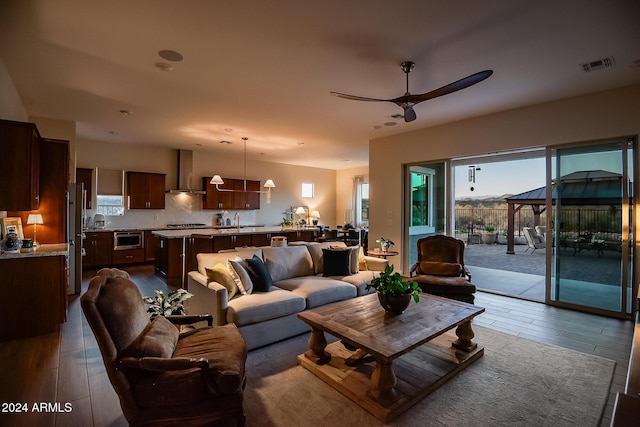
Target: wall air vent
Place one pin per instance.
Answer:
(598, 64)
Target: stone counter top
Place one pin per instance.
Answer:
(180, 233)
(55, 249)
(163, 228)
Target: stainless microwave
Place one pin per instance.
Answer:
(128, 240)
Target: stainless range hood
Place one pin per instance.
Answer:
(185, 174)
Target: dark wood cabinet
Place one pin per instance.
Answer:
(37, 295)
(145, 190)
(214, 199)
(168, 261)
(151, 245)
(85, 176)
(236, 200)
(127, 256)
(99, 248)
(224, 242)
(20, 186)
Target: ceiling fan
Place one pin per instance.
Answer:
(408, 101)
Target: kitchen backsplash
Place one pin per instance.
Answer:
(179, 209)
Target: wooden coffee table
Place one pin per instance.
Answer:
(394, 361)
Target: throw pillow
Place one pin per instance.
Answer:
(221, 274)
(362, 261)
(240, 268)
(337, 262)
(441, 268)
(259, 274)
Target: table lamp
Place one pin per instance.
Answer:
(315, 215)
(35, 219)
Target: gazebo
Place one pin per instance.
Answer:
(580, 188)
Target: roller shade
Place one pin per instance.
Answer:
(110, 182)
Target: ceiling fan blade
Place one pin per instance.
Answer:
(357, 98)
(447, 89)
(409, 114)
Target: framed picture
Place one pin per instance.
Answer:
(12, 225)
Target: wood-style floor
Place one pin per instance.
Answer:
(66, 367)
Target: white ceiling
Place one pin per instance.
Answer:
(264, 69)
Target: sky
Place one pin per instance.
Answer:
(496, 179)
(518, 176)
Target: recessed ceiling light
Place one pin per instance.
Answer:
(125, 112)
(198, 144)
(390, 123)
(377, 127)
(347, 160)
(170, 55)
(228, 130)
(112, 132)
(300, 143)
(226, 142)
(163, 66)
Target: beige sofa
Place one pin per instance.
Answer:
(298, 284)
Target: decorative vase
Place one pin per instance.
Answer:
(384, 246)
(395, 304)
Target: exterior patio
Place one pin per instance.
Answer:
(521, 274)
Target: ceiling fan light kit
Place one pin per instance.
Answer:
(408, 101)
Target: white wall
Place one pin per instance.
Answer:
(187, 208)
(595, 116)
(11, 107)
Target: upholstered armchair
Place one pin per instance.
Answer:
(440, 268)
(161, 376)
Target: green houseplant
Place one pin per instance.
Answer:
(385, 244)
(394, 293)
(161, 305)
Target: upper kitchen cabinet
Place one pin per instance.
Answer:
(249, 199)
(85, 176)
(236, 199)
(145, 190)
(19, 187)
(214, 199)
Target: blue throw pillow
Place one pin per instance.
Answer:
(260, 277)
(337, 262)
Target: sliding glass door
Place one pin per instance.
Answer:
(592, 223)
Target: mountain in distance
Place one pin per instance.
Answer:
(484, 197)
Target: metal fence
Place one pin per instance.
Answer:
(597, 219)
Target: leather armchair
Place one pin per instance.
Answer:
(161, 376)
(440, 268)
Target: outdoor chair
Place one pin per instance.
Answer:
(440, 269)
(534, 240)
(163, 377)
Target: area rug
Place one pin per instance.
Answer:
(518, 382)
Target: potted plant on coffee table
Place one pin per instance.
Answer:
(394, 293)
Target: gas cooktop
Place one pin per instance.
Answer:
(189, 225)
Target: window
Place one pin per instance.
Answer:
(110, 192)
(363, 203)
(307, 190)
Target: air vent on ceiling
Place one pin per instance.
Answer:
(598, 64)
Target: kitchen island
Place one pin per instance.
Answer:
(34, 286)
(178, 248)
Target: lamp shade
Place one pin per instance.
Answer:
(315, 214)
(269, 184)
(300, 210)
(216, 180)
(35, 219)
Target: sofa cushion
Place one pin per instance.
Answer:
(437, 268)
(261, 306)
(337, 262)
(238, 269)
(260, 277)
(157, 340)
(360, 280)
(318, 290)
(209, 260)
(287, 262)
(221, 274)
